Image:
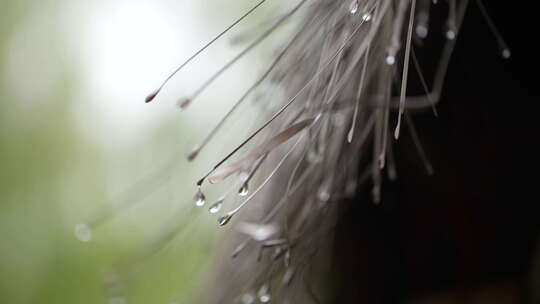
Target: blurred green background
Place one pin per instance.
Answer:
(75, 135)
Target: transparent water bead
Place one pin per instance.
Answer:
(264, 297)
(83, 232)
(200, 198)
(421, 31)
(224, 219)
(215, 207)
(366, 17)
(450, 35)
(244, 190)
(506, 53)
(323, 195)
(390, 60)
(353, 7)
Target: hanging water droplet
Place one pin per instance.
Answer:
(264, 297)
(450, 35)
(421, 31)
(506, 53)
(366, 17)
(397, 129)
(390, 59)
(353, 7)
(244, 190)
(215, 207)
(83, 232)
(200, 198)
(224, 219)
(323, 195)
(248, 298)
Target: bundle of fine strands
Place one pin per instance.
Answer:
(344, 73)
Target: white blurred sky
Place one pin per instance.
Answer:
(124, 49)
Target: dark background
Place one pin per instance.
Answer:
(462, 235)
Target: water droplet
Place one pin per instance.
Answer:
(200, 198)
(83, 232)
(397, 129)
(248, 298)
(151, 96)
(450, 35)
(184, 102)
(224, 219)
(323, 195)
(390, 59)
(244, 190)
(264, 297)
(366, 17)
(506, 53)
(353, 8)
(421, 31)
(215, 207)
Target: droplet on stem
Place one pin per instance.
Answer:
(200, 198)
(244, 190)
(421, 31)
(506, 53)
(366, 17)
(390, 59)
(450, 35)
(264, 297)
(224, 219)
(215, 207)
(353, 7)
(323, 195)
